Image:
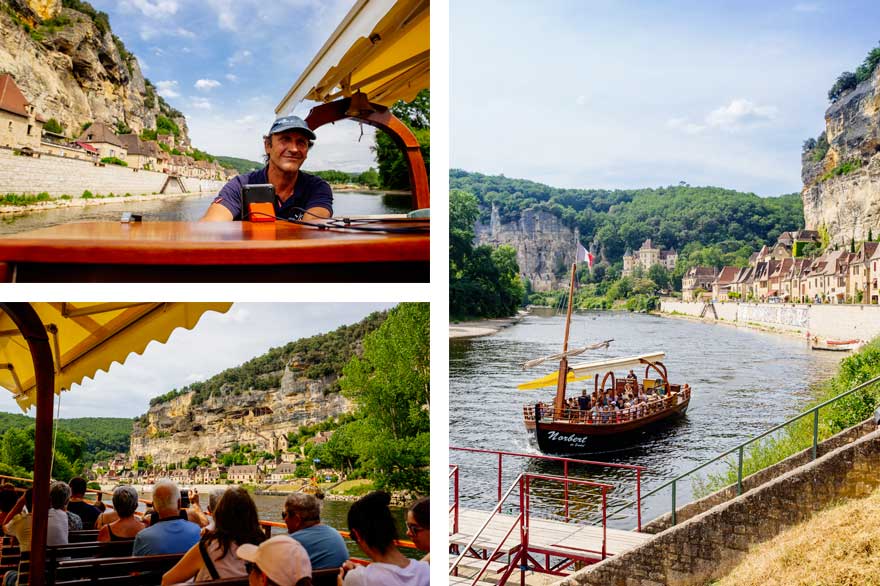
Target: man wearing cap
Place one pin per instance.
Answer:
(297, 193)
(279, 561)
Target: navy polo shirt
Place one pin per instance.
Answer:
(309, 191)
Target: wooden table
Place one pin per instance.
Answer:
(212, 252)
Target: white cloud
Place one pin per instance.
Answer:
(807, 7)
(740, 114)
(149, 31)
(168, 89)
(231, 77)
(207, 84)
(225, 13)
(182, 32)
(152, 9)
(580, 100)
(684, 125)
(201, 103)
(240, 57)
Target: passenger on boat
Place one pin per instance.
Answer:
(170, 533)
(418, 526)
(8, 498)
(279, 561)
(631, 377)
(297, 193)
(88, 513)
(584, 401)
(59, 496)
(213, 501)
(324, 544)
(106, 518)
(214, 556)
(372, 528)
(126, 525)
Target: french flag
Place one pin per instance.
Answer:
(583, 255)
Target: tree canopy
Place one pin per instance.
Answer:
(393, 169)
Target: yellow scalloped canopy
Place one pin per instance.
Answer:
(587, 370)
(381, 48)
(89, 337)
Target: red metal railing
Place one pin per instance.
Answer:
(565, 466)
(453, 473)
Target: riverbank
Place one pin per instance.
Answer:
(81, 202)
(483, 327)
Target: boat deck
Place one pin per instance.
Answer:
(555, 538)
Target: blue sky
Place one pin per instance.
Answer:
(218, 342)
(620, 93)
(226, 64)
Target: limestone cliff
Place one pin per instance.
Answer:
(172, 431)
(842, 188)
(72, 68)
(544, 245)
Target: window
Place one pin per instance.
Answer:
(29, 129)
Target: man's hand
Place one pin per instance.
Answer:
(316, 213)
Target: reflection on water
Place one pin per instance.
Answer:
(744, 382)
(189, 209)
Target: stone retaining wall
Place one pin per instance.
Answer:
(709, 545)
(65, 176)
(825, 321)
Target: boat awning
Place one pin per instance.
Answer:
(586, 370)
(88, 337)
(381, 48)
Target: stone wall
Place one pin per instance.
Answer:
(825, 321)
(709, 545)
(65, 176)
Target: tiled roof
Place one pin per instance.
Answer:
(100, 132)
(134, 145)
(11, 98)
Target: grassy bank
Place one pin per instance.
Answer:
(24, 200)
(853, 371)
(836, 547)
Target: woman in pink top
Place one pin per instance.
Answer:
(213, 557)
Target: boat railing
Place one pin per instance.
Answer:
(267, 526)
(566, 464)
(612, 415)
(454, 508)
(739, 451)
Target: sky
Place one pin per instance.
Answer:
(226, 64)
(219, 341)
(627, 94)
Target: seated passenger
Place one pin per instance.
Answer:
(126, 526)
(78, 505)
(278, 561)
(418, 526)
(170, 533)
(214, 557)
(324, 544)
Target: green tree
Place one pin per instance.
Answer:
(393, 168)
(390, 384)
(660, 275)
(53, 126)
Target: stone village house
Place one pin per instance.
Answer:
(20, 126)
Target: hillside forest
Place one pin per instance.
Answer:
(709, 226)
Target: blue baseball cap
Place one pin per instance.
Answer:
(291, 123)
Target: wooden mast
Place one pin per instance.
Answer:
(559, 402)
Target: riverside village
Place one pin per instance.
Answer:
(674, 385)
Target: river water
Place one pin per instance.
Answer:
(189, 208)
(744, 382)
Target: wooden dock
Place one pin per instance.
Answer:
(547, 538)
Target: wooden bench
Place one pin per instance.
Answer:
(84, 535)
(121, 571)
(87, 549)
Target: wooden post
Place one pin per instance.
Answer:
(31, 327)
(559, 402)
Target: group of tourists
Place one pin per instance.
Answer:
(627, 401)
(227, 540)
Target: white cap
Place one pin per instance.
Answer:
(281, 558)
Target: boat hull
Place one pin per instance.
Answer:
(562, 438)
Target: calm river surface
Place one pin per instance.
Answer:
(188, 209)
(744, 382)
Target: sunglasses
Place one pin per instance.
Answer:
(414, 528)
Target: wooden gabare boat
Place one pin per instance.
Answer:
(617, 405)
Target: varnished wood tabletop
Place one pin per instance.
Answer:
(178, 245)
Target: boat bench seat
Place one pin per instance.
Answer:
(87, 549)
(124, 571)
(83, 535)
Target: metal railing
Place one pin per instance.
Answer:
(565, 469)
(740, 451)
(453, 473)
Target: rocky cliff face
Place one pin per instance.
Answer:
(544, 245)
(174, 430)
(842, 189)
(73, 71)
